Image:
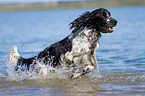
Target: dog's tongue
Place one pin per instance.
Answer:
(110, 29)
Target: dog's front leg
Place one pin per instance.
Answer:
(82, 70)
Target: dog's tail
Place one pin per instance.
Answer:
(19, 62)
(14, 55)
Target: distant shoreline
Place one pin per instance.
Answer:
(39, 6)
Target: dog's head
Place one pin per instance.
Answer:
(99, 20)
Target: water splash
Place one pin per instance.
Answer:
(48, 72)
(44, 72)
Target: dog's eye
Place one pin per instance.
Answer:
(102, 16)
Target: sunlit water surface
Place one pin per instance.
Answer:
(121, 55)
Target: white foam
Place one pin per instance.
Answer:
(2, 75)
(45, 71)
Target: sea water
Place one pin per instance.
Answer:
(121, 55)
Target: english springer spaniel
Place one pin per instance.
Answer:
(76, 52)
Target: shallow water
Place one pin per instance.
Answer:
(121, 55)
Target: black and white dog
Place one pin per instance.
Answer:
(76, 52)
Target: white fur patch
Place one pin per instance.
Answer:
(80, 46)
(108, 20)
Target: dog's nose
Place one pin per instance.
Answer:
(114, 22)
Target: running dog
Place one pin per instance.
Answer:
(76, 52)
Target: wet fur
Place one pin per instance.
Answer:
(76, 52)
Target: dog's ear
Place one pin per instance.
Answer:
(80, 22)
(87, 19)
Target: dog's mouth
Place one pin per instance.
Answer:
(106, 29)
(110, 29)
